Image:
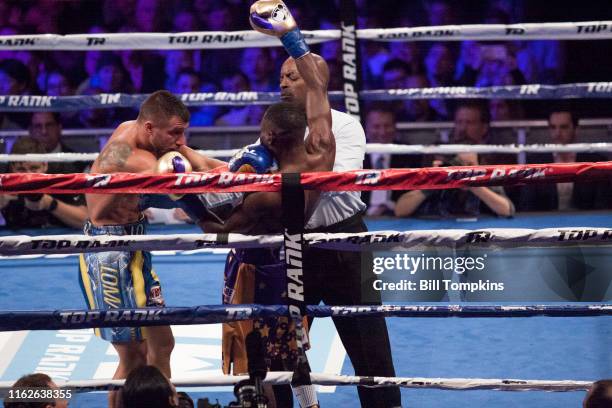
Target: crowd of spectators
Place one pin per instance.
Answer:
(472, 126)
(384, 65)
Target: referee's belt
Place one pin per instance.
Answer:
(340, 226)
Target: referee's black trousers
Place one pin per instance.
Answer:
(345, 278)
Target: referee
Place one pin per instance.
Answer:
(342, 277)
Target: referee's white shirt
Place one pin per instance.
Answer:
(337, 206)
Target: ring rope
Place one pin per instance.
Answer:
(363, 241)
(285, 377)
(586, 30)
(35, 103)
(355, 180)
(370, 148)
(16, 320)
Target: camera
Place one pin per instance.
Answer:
(248, 395)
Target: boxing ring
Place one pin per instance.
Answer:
(567, 345)
(537, 347)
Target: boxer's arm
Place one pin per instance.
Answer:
(198, 161)
(121, 157)
(272, 17)
(248, 216)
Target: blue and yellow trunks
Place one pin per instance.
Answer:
(119, 279)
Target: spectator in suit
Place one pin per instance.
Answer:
(472, 121)
(46, 128)
(582, 195)
(381, 128)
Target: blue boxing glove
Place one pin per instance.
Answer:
(272, 17)
(255, 158)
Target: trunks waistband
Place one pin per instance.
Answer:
(135, 228)
(258, 256)
(341, 226)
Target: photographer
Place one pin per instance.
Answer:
(471, 127)
(39, 210)
(147, 387)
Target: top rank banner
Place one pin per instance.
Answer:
(356, 180)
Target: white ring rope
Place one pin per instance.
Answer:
(373, 240)
(370, 148)
(587, 30)
(284, 377)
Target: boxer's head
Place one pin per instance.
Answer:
(283, 126)
(164, 119)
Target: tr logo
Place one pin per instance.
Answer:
(368, 177)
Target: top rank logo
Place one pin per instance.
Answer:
(416, 33)
(27, 101)
(368, 177)
(515, 31)
(584, 235)
(495, 174)
(593, 28)
(205, 38)
(244, 96)
(17, 41)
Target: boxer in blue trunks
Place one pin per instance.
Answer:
(120, 279)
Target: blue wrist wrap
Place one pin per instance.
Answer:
(294, 43)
